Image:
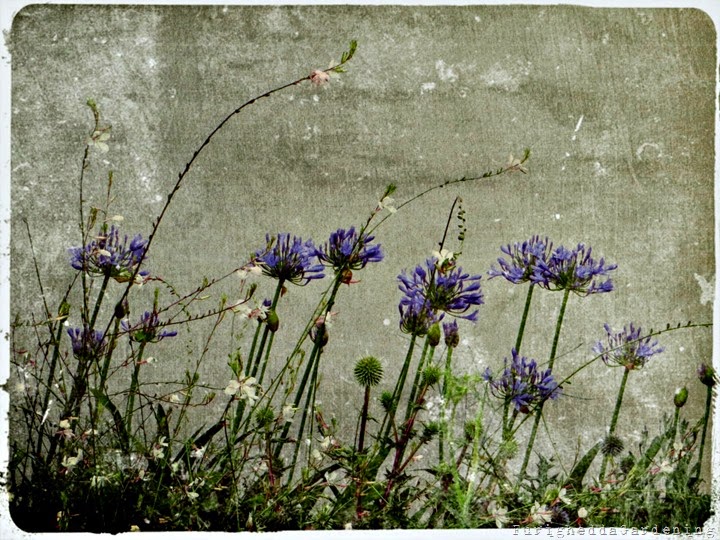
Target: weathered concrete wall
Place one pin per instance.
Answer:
(617, 106)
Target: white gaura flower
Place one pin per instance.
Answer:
(71, 461)
(288, 412)
(388, 203)
(582, 512)
(540, 514)
(319, 77)
(443, 257)
(232, 387)
(192, 495)
(198, 453)
(99, 139)
(499, 513)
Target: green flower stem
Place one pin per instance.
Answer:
(389, 418)
(108, 356)
(706, 419)
(251, 355)
(307, 410)
(613, 422)
(133, 390)
(266, 331)
(538, 414)
(424, 358)
(48, 388)
(445, 392)
(526, 310)
(363, 420)
(101, 294)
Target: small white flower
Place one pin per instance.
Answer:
(71, 461)
(232, 387)
(192, 495)
(540, 514)
(64, 423)
(98, 139)
(288, 412)
(563, 496)
(443, 256)
(174, 398)
(326, 442)
(388, 203)
(198, 453)
(319, 77)
(316, 455)
(499, 513)
(348, 526)
(117, 218)
(98, 481)
(582, 513)
(515, 164)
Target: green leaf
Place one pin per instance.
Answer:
(578, 472)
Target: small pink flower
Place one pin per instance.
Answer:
(319, 77)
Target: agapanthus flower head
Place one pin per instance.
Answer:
(573, 270)
(522, 383)
(626, 348)
(288, 258)
(147, 329)
(522, 259)
(347, 250)
(452, 291)
(109, 255)
(86, 344)
(416, 315)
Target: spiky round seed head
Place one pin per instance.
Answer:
(434, 334)
(431, 375)
(368, 371)
(386, 400)
(681, 397)
(273, 321)
(264, 417)
(612, 446)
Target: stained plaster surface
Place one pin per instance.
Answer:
(616, 106)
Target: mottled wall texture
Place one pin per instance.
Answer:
(616, 105)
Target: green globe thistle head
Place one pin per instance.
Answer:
(472, 430)
(429, 432)
(386, 400)
(368, 371)
(264, 417)
(431, 375)
(612, 446)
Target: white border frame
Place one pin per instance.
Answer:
(8, 530)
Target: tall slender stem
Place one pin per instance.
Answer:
(538, 414)
(613, 422)
(445, 392)
(706, 419)
(526, 310)
(399, 385)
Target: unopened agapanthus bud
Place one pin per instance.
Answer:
(706, 374)
(272, 320)
(681, 396)
(434, 334)
(452, 338)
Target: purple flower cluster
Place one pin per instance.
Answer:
(626, 348)
(554, 269)
(86, 344)
(288, 258)
(522, 383)
(430, 292)
(108, 255)
(346, 250)
(147, 329)
(523, 257)
(452, 336)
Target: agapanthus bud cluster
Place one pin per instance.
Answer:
(287, 258)
(109, 255)
(430, 292)
(348, 250)
(522, 383)
(626, 348)
(86, 344)
(536, 261)
(147, 329)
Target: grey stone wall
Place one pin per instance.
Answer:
(617, 106)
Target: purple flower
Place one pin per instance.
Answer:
(290, 259)
(574, 270)
(85, 344)
(146, 330)
(706, 374)
(346, 250)
(523, 257)
(522, 383)
(107, 255)
(626, 348)
(452, 337)
(447, 290)
(416, 315)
